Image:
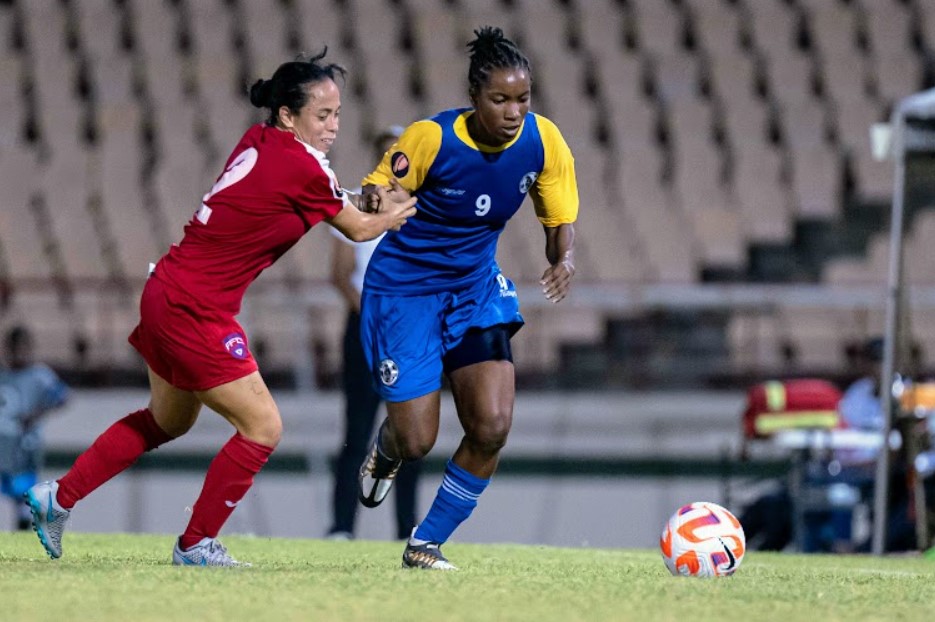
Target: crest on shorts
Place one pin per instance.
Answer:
(527, 181)
(389, 372)
(236, 345)
(399, 164)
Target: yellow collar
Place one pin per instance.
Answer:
(461, 131)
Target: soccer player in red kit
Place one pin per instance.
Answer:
(276, 185)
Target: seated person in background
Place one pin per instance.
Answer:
(28, 391)
(862, 409)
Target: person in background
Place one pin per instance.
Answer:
(28, 392)
(276, 185)
(862, 409)
(348, 263)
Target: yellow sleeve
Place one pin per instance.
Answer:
(410, 158)
(555, 193)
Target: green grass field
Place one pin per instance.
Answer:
(129, 577)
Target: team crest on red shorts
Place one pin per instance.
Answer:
(236, 345)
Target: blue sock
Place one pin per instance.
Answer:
(456, 499)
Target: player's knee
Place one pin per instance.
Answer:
(266, 429)
(489, 436)
(175, 428)
(414, 446)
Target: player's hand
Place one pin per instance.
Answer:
(398, 193)
(370, 201)
(556, 280)
(397, 207)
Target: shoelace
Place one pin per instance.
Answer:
(218, 552)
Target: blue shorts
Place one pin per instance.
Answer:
(405, 337)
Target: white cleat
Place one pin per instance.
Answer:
(48, 517)
(208, 552)
(376, 477)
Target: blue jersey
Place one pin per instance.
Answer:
(466, 194)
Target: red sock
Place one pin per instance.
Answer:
(113, 451)
(228, 480)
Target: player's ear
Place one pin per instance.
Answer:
(285, 117)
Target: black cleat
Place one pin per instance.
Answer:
(376, 477)
(426, 556)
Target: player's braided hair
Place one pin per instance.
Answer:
(490, 50)
(288, 86)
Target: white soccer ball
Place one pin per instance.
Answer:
(702, 539)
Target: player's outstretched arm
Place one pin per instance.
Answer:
(560, 252)
(360, 227)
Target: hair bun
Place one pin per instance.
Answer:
(489, 35)
(261, 93)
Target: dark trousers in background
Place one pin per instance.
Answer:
(361, 406)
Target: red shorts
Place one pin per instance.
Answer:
(192, 347)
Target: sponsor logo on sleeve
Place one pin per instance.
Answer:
(399, 164)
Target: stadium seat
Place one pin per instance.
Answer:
(772, 25)
(12, 108)
(600, 27)
(64, 200)
(733, 76)
(54, 327)
(817, 181)
(755, 340)
(23, 243)
(266, 27)
(137, 227)
(889, 25)
(805, 124)
(762, 197)
(210, 25)
(718, 232)
(872, 269)
(834, 26)
(676, 76)
(98, 25)
(318, 25)
(717, 25)
(791, 75)
(660, 27)
(892, 85)
(819, 335)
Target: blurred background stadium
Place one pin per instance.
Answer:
(733, 220)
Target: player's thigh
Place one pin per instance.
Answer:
(402, 340)
(414, 424)
(248, 405)
(484, 395)
(175, 410)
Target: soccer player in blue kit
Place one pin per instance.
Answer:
(435, 300)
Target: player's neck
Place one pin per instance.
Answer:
(479, 135)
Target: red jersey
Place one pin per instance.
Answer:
(274, 188)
